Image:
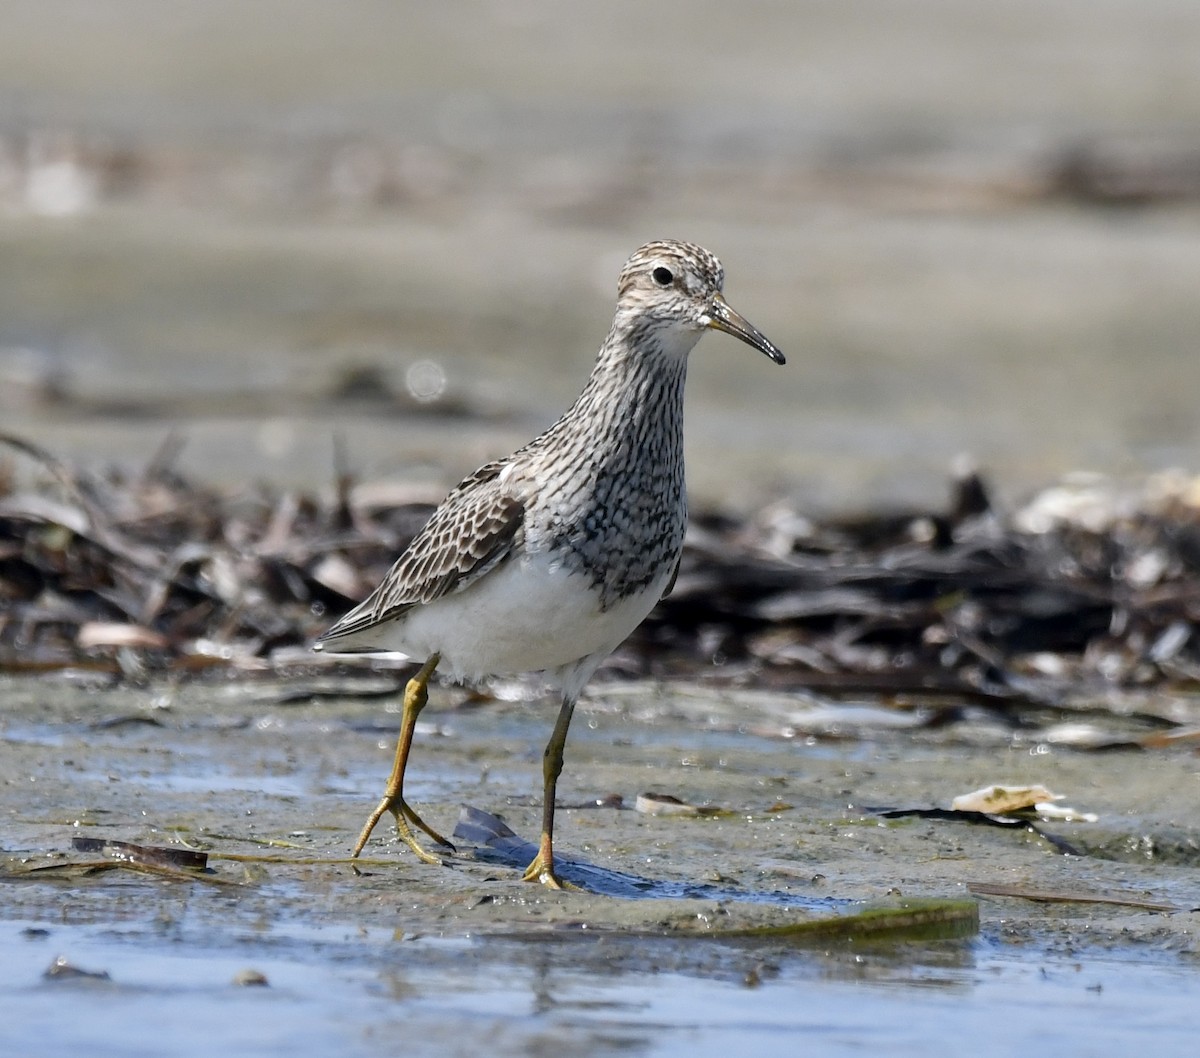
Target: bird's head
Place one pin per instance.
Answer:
(671, 292)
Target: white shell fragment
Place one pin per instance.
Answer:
(998, 799)
(656, 804)
(1004, 800)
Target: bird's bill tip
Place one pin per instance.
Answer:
(724, 318)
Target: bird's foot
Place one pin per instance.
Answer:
(403, 814)
(417, 821)
(542, 870)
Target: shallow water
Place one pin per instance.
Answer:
(351, 991)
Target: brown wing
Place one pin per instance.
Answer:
(475, 529)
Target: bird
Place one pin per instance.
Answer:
(545, 561)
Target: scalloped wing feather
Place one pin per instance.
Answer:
(475, 529)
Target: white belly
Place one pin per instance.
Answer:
(527, 616)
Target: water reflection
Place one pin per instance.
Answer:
(347, 989)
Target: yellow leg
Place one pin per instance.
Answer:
(542, 867)
(416, 696)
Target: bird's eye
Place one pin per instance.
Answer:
(663, 276)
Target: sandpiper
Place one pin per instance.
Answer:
(546, 560)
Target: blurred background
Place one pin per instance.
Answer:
(973, 228)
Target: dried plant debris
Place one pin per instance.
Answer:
(983, 819)
(170, 864)
(154, 855)
(1008, 805)
(62, 969)
(1085, 599)
(1071, 896)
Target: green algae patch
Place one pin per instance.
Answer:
(903, 920)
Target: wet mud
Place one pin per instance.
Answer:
(276, 794)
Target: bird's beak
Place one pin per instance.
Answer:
(723, 318)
